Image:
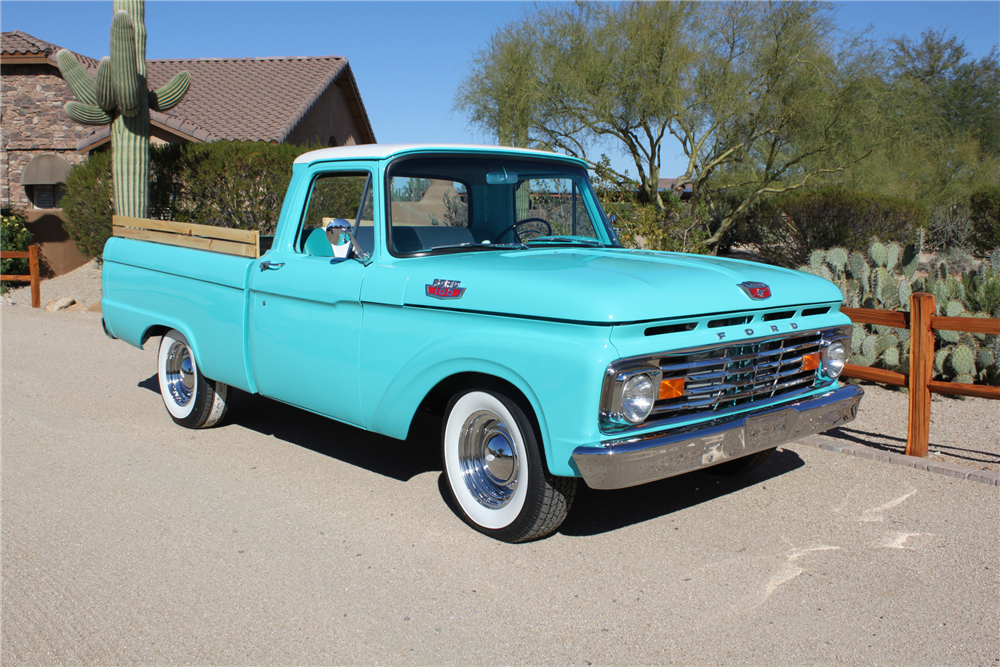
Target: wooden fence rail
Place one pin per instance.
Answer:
(921, 321)
(32, 256)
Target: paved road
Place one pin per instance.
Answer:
(285, 538)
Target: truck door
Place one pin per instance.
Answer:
(305, 307)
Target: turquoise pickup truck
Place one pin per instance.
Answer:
(487, 285)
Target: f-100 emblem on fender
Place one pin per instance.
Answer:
(445, 289)
(755, 290)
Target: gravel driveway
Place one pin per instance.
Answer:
(285, 538)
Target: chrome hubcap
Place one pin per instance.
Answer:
(180, 373)
(488, 458)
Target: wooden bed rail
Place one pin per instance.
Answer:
(239, 242)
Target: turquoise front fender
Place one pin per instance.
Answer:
(558, 367)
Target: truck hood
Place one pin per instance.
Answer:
(601, 285)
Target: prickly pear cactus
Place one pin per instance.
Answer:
(892, 252)
(954, 308)
(837, 258)
(963, 360)
(910, 261)
(119, 97)
(878, 254)
(888, 283)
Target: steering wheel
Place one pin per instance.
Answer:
(548, 229)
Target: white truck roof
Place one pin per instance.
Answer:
(382, 151)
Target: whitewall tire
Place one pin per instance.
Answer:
(495, 470)
(192, 400)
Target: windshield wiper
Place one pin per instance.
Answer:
(572, 240)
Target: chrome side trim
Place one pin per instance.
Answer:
(620, 463)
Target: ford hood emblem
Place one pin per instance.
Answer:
(756, 291)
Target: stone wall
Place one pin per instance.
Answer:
(32, 122)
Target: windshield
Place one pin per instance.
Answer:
(475, 203)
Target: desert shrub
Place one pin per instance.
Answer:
(89, 203)
(229, 184)
(790, 226)
(676, 228)
(950, 227)
(15, 237)
(233, 184)
(984, 208)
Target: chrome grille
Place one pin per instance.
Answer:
(721, 378)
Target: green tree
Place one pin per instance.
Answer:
(572, 76)
(761, 96)
(960, 92)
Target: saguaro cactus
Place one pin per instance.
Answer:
(120, 97)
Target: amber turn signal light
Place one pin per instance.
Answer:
(671, 388)
(810, 362)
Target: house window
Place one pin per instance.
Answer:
(45, 196)
(43, 180)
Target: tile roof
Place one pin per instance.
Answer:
(251, 99)
(233, 99)
(17, 43)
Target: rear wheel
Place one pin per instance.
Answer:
(192, 400)
(495, 470)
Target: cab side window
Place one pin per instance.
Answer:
(334, 195)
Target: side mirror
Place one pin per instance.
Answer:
(340, 233)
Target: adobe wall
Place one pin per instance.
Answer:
(32, 122)
(330, 116)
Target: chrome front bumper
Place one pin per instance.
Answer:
(616, 464)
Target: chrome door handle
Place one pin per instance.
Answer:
(273, 266)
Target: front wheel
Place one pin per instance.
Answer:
(495, 470)
(192, 400)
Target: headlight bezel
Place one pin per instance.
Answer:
(615, 390)
(832, 368)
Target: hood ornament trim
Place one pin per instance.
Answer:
(756, 291)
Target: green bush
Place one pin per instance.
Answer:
(13, 237)
(792, 225)
(89, 204)
(239, 185)
(231, 184)
(674, 229)
(985, 210)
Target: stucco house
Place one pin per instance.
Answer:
(276, 100)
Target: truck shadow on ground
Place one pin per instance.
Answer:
(596, 512)
(593, 512)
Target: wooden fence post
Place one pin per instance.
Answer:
(36, 288)
(921, 370)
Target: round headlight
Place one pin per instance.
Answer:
(638, 395)
(834, 358)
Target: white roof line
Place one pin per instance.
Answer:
(382, 151)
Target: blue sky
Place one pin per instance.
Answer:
(408, 57)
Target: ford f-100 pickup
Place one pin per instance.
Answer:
(487, 284)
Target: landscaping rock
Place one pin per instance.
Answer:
(62, 304)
